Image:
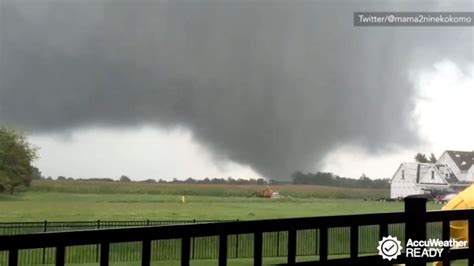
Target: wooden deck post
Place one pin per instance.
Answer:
(415, 227)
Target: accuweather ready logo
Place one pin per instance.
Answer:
(390, 248)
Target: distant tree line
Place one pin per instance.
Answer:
(298, 178)
(330, 179)
(228, 181)
(189, 180)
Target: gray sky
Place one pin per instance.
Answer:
(444, 93)
(156, 89)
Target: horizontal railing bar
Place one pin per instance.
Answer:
(449, 215)
(131, 234)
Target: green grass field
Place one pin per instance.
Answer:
(217, 190)
(56, 206)
(92, 201)
(80, 201)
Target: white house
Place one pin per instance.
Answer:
(470, 174)
(414, 178)
(461, 162)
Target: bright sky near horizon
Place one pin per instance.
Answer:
(442, 113)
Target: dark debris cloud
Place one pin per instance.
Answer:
(272, 84)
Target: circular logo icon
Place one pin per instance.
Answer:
(390, 248)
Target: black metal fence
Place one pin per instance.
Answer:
(16, 228)
(317, 237)
(240, 246)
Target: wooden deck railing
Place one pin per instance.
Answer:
(415, 217)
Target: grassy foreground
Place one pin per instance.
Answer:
(55, 206)
(74, 200)
(87, 201)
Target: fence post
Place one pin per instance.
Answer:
(446, 237)
(316, 244)
(45, 229)
(257, 248)
(471, 241)
(97, 251)
(13, 257)
(278, 244)
(323, 243)
(415, 226)
(146, 252)
(354, 241)
(223, 250)
(60, 255)
(292, 245)
(185, 251)
(237, 246)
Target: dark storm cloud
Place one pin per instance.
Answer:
(273, 84)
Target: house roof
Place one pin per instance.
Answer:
(463, 159)
(450, 177)
(423, 168)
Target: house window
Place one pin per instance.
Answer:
(432, 175)
(403, 174)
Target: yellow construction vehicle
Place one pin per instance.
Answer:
(459, 229)
(264, 193)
